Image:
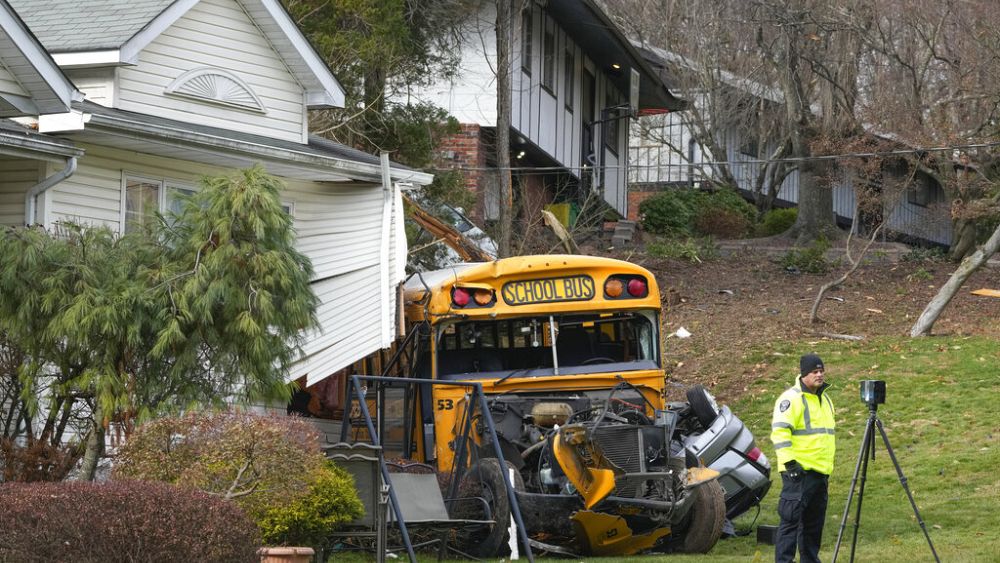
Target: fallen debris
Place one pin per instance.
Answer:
(987, 292)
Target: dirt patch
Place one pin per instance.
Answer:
(747, 301)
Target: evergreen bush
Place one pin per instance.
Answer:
(777, 221)
(811, 259)
(687, 212)
(121, 521)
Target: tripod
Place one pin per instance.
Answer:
(868, 452)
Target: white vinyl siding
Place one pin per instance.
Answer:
(216, 34)
(9, 84)
(97, 84)
(338, 227)
(16, 178)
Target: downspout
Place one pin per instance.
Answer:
(38, 189)
(385, 324)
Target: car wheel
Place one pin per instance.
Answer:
(703, 405)
(708, 514)
(485, 480)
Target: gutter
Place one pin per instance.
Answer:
(163, 133)
(39, 188)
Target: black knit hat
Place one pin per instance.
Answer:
(810, 362)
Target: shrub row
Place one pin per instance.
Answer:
(687, 212)
(121, 521)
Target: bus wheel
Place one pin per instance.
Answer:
(484, 480)
(707, 516)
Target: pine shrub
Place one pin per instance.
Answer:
(121, 521)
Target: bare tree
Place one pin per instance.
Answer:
(734, 107)
(504, 29)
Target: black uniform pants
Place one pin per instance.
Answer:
(802, 508)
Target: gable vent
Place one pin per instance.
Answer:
(215, 86)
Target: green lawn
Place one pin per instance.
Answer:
(943, 394)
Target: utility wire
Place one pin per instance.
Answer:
(896, 152)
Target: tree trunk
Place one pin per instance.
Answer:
(963, 240)
(503, 31)
(815, 216)
(968, 266)
(92, 454)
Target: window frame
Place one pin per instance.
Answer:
(527, 32)
(164, 185)
(548, 60)
(569, 77)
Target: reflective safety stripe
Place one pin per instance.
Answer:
(805, 412)
(809, 431)
(781, 425)
(779, 445)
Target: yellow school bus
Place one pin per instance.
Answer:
(567, 350)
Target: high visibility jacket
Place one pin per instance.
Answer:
(802, 428)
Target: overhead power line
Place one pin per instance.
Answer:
(839, 156)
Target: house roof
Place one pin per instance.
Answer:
(44, 88)
(664, 61)
(588, 25)
(82, 33)
(319, 160)
(18, 140)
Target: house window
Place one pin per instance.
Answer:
(569, 73)
(526, 32)
(144, 197)
(549, 61)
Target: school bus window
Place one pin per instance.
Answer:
(624, 341)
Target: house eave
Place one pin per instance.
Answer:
(588, 24)
(238, 152)
(56, 92)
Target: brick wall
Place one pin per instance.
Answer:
(465, 150)
(634, 199)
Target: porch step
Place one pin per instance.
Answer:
(624, 233)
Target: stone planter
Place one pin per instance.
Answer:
(286, 554)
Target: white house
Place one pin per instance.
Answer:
(178, 89)
(664, 152)
(576, 82)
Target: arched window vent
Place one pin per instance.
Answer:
(216, 86)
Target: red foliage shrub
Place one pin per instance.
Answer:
(36, 461)
(722, 223)
(121, 521)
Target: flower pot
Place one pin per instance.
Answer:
(286, 554)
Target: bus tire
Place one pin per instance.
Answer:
(707, 516)
(485, 480)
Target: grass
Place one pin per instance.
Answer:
(941, 422)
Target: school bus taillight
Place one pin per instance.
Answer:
(460, 297)
(613, 288)
(465, 296)
(637, 287)
(625, 287)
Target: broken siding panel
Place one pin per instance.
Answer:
(16, 177)
(216, 34)
(348, 317)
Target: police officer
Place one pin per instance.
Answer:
(802, 430)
